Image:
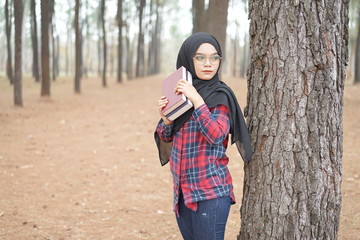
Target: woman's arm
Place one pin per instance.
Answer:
(214, 125)
(165, 131)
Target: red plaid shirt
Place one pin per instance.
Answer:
(198, 161)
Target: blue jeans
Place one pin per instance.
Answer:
(207, 223)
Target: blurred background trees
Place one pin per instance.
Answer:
(126, 39)
(119, 38)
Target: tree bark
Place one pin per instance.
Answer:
(8, 17)
(34, 41)
(120, 42)
(45, 52)
(78, 51)
(292, 186)
(18, 14)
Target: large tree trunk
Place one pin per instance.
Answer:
(120, 51)
(18, 14)
(78, 52)
(140, 60)
(34, 41)
(45, 52)
(292, 186)
(8, 17)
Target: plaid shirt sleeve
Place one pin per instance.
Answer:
(165, 131)
(213, 126)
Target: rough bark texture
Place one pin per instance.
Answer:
(18, 14)
(292, 186)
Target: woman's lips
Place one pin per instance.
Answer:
(207, 71)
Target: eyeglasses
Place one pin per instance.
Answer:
(213, 59)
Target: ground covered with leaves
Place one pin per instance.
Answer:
(85, 166)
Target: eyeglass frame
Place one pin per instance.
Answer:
(207, 58)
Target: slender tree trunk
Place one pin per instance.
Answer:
(68, 40)
(120, 50)
(8, 17)
(53, 40)
(45, 52)
(151, 32)
(78, 52)
(157, 40)
(292, 186)
(154, 45)
(140, 50)
(357, 51)
(34, 40)
(18, 14)
(86, 42)
(129, 54)
(102, 7)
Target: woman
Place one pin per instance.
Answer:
(196, 142)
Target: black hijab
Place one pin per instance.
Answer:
(214, 92)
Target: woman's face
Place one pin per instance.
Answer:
(206, 61)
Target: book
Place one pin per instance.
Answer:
(177, 104)
(177, 112)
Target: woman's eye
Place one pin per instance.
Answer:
(216, 58)
(200, 58)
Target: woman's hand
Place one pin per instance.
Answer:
(161, 104)
(190, 92)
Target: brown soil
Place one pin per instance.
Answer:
(86, 167)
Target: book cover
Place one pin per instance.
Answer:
(177, 112)
(168, 86)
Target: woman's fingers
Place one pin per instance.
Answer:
(181, 84)
(162, 102)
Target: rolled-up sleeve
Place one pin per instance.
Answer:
(165, 131)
